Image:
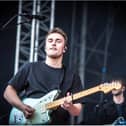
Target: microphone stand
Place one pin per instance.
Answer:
(11, 19)
(8, 22)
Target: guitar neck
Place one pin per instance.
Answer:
(75, 96)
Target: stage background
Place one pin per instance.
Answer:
(97, 13)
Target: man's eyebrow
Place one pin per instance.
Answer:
(52, 38)
(58, 39)
(49, 38)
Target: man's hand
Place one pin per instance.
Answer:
(73, 109)
(67, 104)
(28, 111)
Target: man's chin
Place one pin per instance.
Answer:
(54, 56)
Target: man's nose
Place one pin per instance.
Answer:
(54, 42)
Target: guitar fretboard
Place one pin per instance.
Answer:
(75, 96)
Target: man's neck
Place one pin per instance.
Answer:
(55, 63)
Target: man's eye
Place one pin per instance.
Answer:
(58, 41)
(49, 40)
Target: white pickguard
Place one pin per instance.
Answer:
(41, 115)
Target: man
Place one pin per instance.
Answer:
(39, 78)
(114, 111)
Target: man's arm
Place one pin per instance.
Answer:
(11, 96)
(73, 109)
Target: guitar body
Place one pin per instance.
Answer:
(41, 114)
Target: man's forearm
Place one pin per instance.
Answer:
(11, 96)
(75, 109)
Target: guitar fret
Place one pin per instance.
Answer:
(85, 93)
(54, 104)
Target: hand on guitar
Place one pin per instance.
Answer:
(28, 110)
(67, 104)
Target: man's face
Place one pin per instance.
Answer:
(55, 44)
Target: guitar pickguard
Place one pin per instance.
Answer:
(41, 115)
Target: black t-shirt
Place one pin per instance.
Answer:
(38, 79)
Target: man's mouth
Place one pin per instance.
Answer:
(53, 49)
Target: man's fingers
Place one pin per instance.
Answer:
(68, 93)
(28, 111)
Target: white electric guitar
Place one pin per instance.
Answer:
(44, 105)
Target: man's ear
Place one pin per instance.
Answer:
(65, 49)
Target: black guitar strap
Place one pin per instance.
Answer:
(66, 80)
(62, 78)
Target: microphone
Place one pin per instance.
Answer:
(31, 16)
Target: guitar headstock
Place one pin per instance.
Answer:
(107, 87)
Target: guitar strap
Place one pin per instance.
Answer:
(66, 80)
(62, 78)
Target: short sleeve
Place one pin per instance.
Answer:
(19, 80)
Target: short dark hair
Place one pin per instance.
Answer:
(121, 80)
(60, 31)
